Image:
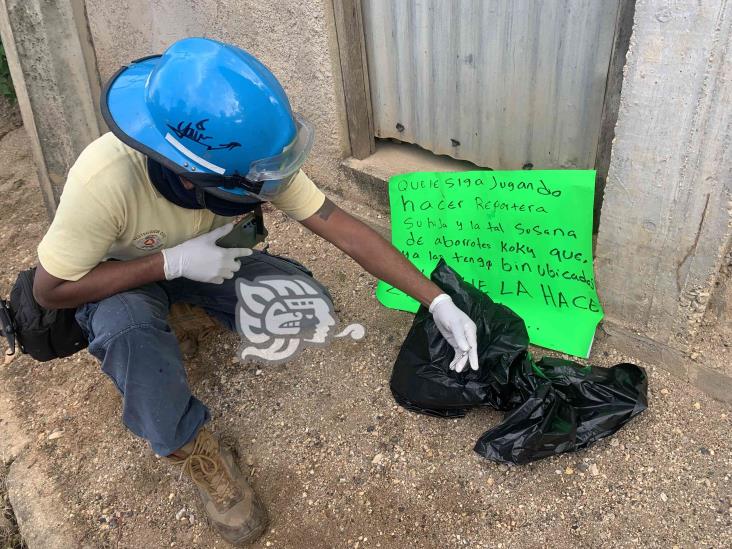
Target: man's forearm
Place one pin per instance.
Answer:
(104, 280)
(371, 251)
(386, 263)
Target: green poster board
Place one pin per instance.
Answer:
(523, 237)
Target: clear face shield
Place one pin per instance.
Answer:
(267, 177)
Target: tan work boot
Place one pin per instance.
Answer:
(231, 504)
(191, 325)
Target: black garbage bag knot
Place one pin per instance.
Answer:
(552, 406)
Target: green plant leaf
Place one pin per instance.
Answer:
(6, 82)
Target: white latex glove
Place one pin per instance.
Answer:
(459, 331)
(202, 260)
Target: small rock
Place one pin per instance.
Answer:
(594, 471)
(697, 406)
(378, 458)
(664, 391)
(56, 434)
(258, 373)
(583, 466)
(614, 442)
(180, 513)
(704, 451)
(664, 497)
(568, 471)
(191, 519)
(171, 496)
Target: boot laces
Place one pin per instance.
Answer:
(206, 469)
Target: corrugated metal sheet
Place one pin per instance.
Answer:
(498, 82)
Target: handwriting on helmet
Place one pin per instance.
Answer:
(195, 132)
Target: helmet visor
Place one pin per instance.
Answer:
(282, 166)
(235, 188)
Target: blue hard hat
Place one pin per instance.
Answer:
(213, 114)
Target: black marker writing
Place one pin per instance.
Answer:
(194, 132)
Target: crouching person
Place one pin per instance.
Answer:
(200, 135)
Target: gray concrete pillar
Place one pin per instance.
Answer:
(52, 62)
(667, 211)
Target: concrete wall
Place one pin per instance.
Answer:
(294, 39)
(55, 78)
(666, 219)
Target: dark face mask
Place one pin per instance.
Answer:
(170, 186)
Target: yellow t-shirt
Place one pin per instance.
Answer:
(110, 209)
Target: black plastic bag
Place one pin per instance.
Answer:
(553, 406)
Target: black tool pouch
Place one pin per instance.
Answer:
(42, 333)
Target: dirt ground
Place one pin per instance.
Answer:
(10, 537)
(336, 461)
